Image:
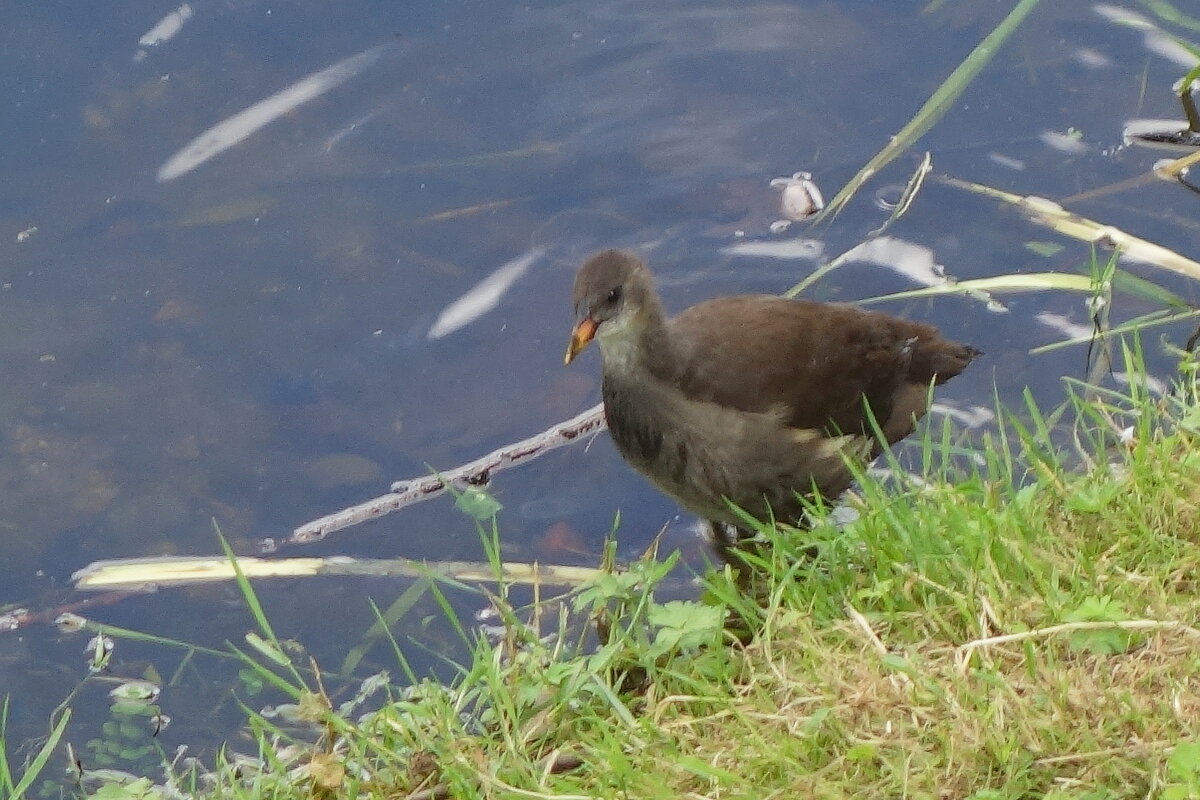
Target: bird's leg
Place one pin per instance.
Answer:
(732, 544)
(725, 541)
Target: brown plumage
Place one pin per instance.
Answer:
(751, 399)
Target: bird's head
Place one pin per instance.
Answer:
(613, 293)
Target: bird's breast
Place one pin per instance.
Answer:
(633, 423)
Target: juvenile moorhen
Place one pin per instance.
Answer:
(751, 399)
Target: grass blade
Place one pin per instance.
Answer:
(937, 104)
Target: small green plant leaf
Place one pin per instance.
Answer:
(251, 681)
(986, 794)
(135, 691)
(139, 789)
(817, 719)
(1183, 765)
(861, 752)
(478, 504)
(683, 626)
(1191, 421)
(606, 586)
(899, 663)
(1092, 498)
(267, 649)
(1105, 641)
(1044, 249)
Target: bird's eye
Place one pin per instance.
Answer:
(614, 294)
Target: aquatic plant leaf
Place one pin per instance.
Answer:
(478, 504)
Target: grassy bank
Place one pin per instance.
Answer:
(989, 639)
(1028, 632)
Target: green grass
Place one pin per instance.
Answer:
(1026, 631)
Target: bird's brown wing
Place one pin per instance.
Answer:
(818, 361)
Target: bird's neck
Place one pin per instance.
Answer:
(642, 345)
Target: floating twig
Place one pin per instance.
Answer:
(157, 572)
(18, 618)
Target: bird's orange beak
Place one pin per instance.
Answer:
(584, 332)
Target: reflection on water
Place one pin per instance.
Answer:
(376, 283)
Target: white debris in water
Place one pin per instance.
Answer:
(1063, 324)
(1014, 164)
(483, 296)
(800, 197)
(1092, 59)
(805, 249)
(1148, 382)
(972, 416)
(164, 30)
(1153, 37)
(913, 261)
(240, 126)
(1070, 142)
(1123, 16)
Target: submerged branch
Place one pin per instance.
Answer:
(476, 473)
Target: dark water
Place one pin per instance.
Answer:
(248, 339)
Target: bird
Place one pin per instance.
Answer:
(754, 401)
